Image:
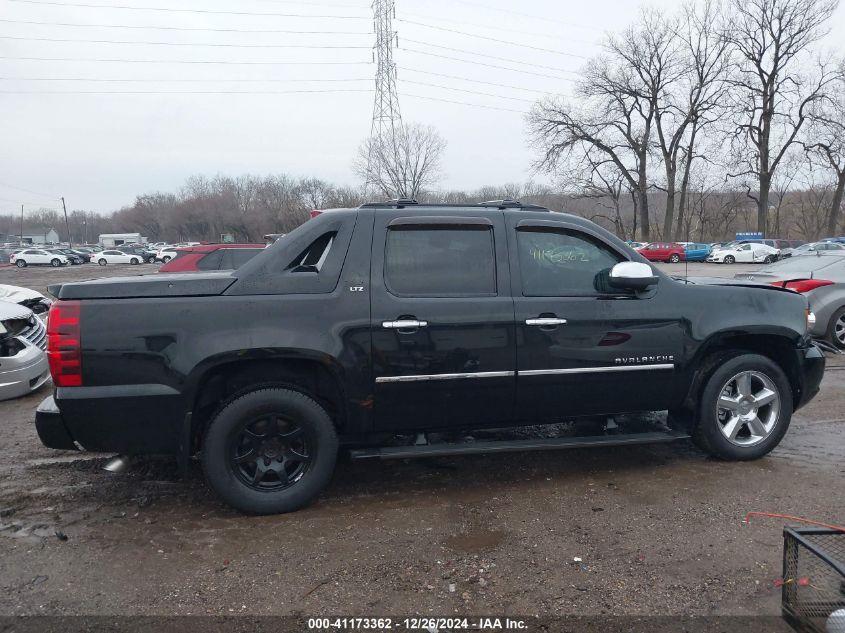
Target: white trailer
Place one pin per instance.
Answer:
(112, 240)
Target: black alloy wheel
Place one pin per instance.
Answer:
(270, 454)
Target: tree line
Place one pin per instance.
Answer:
(716, 97)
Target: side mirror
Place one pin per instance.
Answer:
(632, 276)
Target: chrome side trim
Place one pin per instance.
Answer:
(421, 377)
(594, 370)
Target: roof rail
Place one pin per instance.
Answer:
(397, 203)
(507, 203)
(401, 203)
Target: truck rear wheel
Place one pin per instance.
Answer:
(270, 451)
(745, 408)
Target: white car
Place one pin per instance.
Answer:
(167, 253)
(115, 257)
(23, 357)
(31, 256)
(745, 253)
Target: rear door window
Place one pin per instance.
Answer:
(440, 262)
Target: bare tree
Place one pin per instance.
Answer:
(404, 166)
(825, 142)
(773, 97)
(705, 49)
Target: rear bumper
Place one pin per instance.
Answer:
(811, 363)
(51, 429)
(131, 419)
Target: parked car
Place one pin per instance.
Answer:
(36, 257)
(23, 341)
(166, 253)
(211, 257)
(818, 247)
(663, 252)
(116, 257)
(694, 252)
(820, 278)
(839, 240)
(31, 299)
(72, 257)
(744, 253)
(384, 326)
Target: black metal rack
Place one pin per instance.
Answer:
(813, 577)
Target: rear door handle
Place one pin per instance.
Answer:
(545, 321)
(403, 324)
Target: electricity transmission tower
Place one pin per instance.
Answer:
(386, 116)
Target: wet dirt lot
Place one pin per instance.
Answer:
(658, 528)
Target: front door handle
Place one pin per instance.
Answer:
(545, 321)
(403, 324)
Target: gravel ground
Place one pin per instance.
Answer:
(658, 529)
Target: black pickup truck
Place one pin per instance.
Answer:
(383, 328)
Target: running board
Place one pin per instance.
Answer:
(504, 446)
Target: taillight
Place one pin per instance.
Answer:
(803, 285)
(64, 346)
(315, 213)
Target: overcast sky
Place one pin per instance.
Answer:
(100, 149)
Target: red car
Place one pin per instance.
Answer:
(191, 259)
(663, 252)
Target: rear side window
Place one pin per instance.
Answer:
(440, 262)
(209, 262)
(563, 263)
(236, 257)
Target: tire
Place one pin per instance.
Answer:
(151, 260)
(834, 335)
(166, 259)
(674, 258)
(20, 263)
(55, 263)
(729, 259)
(237, 428)
(769, 259)
(134, 261)
(750, 440)
(102, 262)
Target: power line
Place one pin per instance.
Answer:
(491, 39)
(475, 105)
(204, 11)
(544, 18)
(185, 29)
(50, 39)
(179, 61)
(190, 80)
(501, 59)
(496, 28)
(469, 61)
(472, 92)
(37, 193)
(40, 205)
(477, 81)
(178, 92)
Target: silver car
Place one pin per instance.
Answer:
(821, 278)
(23, 357)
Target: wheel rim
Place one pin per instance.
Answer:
(270, 453)
(21, 264)
(748, 408)
(839, 330)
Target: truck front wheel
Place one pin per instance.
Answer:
(745, 408)
(270, 451)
